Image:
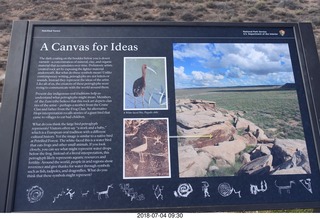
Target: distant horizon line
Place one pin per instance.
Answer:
(239, 86)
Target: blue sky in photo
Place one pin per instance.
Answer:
(231, 64)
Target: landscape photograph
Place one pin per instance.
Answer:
(237, 110)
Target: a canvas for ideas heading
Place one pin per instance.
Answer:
(158, 116)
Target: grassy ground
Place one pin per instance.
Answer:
(275, 111)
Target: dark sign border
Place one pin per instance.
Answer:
(16, 81)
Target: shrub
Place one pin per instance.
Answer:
(188, 16)
(261, 6)
(251, 12)
(120, 15)
(78, 12)
(290, 4)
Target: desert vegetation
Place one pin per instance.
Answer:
(152, 10)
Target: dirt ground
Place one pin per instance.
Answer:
(152, 10)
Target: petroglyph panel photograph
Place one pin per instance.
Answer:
(237, 110)
(146, 148)
(145, 83)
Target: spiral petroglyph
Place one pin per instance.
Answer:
(34, 194)
(225, 189)
(183, 190)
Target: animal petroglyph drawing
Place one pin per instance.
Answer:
(105, 192)
(225, 190)
(287, 188)
(205, 189)
(84, 194)
(306, 184)
(183, 190)
(254, 189)
(158, 192)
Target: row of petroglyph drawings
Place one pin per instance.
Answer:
(35, 193)
(225, 189)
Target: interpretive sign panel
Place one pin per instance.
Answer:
(127, 117)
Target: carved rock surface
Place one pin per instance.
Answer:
(258, 166)
(231, 135)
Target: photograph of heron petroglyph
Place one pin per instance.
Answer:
(146, 148)
(153, 11)
(145, 83)
(237, 110)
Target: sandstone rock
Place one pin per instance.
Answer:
(191, 163)
(226, 150)
(264, 149)
(250, 138)
(213, 168)
(244, 124)
(220, 133)
(294, 170)
(245, 158)
(189, 120)
(287, 147)
(259, 166)
(260, 151)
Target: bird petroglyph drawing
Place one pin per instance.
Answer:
(140, 149)
(146, 151)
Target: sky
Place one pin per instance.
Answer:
(231, 64)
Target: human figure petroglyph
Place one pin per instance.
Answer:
(70, 193)
(158, 140)
(205, 189)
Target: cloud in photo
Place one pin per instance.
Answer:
(231, 64)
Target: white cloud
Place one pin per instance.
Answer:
(255, 59)
(227, 64)
(179, 73)
(194, 50)
(206, 79)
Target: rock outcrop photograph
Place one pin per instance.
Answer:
(219, 142)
